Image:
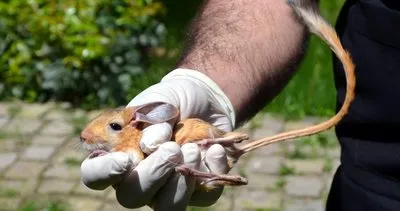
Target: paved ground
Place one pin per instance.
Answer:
(40, 159)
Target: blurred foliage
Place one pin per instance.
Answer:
(85, 52)
(96, 53)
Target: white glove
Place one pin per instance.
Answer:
(153, 181)
(194, 94)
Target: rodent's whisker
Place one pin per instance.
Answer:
(96, 146)
(77, 146)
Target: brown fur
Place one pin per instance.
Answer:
(189, 130)
(129, 141)
(98, 131)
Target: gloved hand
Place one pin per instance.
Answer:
(153, 181)
(194, 94)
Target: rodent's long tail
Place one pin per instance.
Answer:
(318, 26)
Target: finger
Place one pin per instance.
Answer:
(139, 186)
(187, 96)
(176, 194)
(155, 135)
(100, 172)
(216, 162)
(216, 159)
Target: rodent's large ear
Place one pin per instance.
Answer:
(154, 113)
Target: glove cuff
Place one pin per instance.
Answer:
(213, 89)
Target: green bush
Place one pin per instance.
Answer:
(86, 52)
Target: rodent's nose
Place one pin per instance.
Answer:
(85, 135)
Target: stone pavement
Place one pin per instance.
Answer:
(40, 159)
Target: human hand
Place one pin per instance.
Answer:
(195, 96)
(153, 181)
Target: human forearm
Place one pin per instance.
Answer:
(249, 48)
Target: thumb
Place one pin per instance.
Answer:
(100, 172)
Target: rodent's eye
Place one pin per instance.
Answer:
(115, 126)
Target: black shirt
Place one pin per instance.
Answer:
(392, 4)
(369, 177)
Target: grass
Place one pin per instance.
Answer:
(321, 140)
(285, 170)
(55, 205)
(328, 165)
(311, 147)
(297, 153)
(4, 135)
(72, 162)
(9, 192)
(280, 183)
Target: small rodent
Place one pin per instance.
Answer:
(121, 130)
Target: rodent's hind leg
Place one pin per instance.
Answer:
(227, 140)
(211, 180)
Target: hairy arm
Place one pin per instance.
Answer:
(249, 48)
